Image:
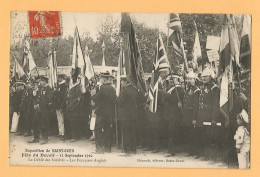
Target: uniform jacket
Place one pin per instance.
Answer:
(172, 97)
(160, 113)
(208, 103)
(60, 96)
(127, 103)
(190, 105)
(105, 100)
(17, 96)
(45, 101)
(25, 100)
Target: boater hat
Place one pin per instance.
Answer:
(105, 75)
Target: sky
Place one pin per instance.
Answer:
(86, 22)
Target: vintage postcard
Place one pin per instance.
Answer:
(160, 90)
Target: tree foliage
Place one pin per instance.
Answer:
(109, 32)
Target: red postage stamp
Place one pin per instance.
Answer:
(44, 24)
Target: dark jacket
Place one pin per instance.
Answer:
(60, 96)
(172, 110)
(17, 96)
(105, 100)
(190, 105)
(209, 103)
(127, 103)
(45, 101)
(25, 100)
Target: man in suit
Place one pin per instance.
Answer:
(105, 100)
(127, 113)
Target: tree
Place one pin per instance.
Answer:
(110, 34)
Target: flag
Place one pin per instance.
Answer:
(18, 73)
(52, 65)
(133, 60)
(89, 72)
(103, 60)
(245, 45)
(78, 64)
(121, 71)
(177, 42)
(28, 61)
(160, 63)
(234, 42)
(226, 61)
(196, 46)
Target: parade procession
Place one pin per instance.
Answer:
(184, 93)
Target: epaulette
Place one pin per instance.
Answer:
(214, 87)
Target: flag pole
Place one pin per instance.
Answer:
(167, 47)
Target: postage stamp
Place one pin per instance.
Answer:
(44, 24)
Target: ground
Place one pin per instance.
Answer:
(82, 153)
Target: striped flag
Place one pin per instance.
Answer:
(228, 53)
(121, 71)
(78, 64)
(133, 60)
(52, 65)
(245, 45)
(160, 63)
(196, 46)
(177, 42)
(28, 61)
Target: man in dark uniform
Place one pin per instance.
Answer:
(127, 113)
(174, 112)
(142, 119)
(34, 103)
(59, 103)
(190, 114)
(157, 120)
(17, 97)
(45, 102)
(105, 113)
(86, 111)
(25, 117)
(208, 115)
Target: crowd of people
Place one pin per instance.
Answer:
(188, 117)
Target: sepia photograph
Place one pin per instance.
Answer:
(152, 90)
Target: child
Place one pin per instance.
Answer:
(242, 138)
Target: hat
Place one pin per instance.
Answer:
(191, 74)
(105, 75)
(19, 83)
(244, 116)
(44, 78)
(63, 76)
(206, 72)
